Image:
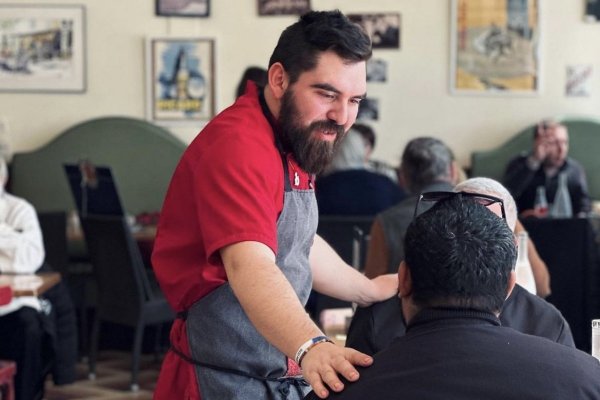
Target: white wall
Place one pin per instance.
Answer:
(415, 101)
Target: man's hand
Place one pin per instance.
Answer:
(322, 364)
(382, 288)
(541, 144)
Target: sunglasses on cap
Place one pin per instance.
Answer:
(431, 198)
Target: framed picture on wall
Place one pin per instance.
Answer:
(180, 79)
(382, 28)
(592, 10)
(42, 48)
(495, 47)
(183, 8)
(283, 7)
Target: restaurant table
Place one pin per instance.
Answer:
(570, 249)
(30, 284)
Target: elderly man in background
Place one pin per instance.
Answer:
(426, 165)
(21, 321)
(38, 333)
(541, 167)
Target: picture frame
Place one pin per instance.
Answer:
(183, 8)
(283, 7)
(382, 28)
(377, 70)
(494, 47)
(180, 76)
(592, 11)
(368, 109)
(42, 48)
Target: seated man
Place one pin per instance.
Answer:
(457, 272)
(541, 276)
(374, 328)
(541, 167)
(426, 165)
(32, 331)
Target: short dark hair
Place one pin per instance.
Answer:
(257, 75)
(459, 254)
(300, 44)
(425, 160)
(366, 132)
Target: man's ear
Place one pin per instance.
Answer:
(404, 281)
(278, 80)
(454, 175)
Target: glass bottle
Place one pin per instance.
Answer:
(562, 207)
(523, 268)
(541, 202)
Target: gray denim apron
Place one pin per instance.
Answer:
(232, 360)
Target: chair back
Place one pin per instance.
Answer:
(123, 286)
(54, 231)
(347, 235)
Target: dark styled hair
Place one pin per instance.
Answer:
(459, 255)
(300, 44)
(254, 74)
(425, 160)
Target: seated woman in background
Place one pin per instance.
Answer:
(350, 187)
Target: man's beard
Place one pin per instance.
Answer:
(311, 154)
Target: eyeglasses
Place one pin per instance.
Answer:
(433, 197)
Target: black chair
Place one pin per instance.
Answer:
(54, 230)
(127, 294)
(348, 236)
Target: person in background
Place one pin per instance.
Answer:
(351, 188)
(541, 167)
(236, 252)
(427, 164)
(258, 75)
(374, 328)
(459, 269)
(30, 327)
(368, 135)
(489, 186)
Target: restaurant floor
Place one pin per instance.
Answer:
(113, 374)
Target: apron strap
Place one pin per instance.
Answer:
(285, 382)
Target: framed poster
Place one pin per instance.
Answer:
(382, 28)
(283, 7)
(183, 8)
(42, 48)
(592, 10)
(495, 47)
(180, 79)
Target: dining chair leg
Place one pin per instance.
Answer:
(93, 351)
(158, 333)
(135, 356)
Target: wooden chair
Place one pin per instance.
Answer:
(127, 294)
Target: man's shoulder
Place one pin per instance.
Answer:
(530, 314)
(401, 211)
(240, 133)
(16, 201)
(573, 163)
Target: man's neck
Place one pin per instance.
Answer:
(273, 104)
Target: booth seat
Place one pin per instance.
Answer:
(584, 146)
(142, 156)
